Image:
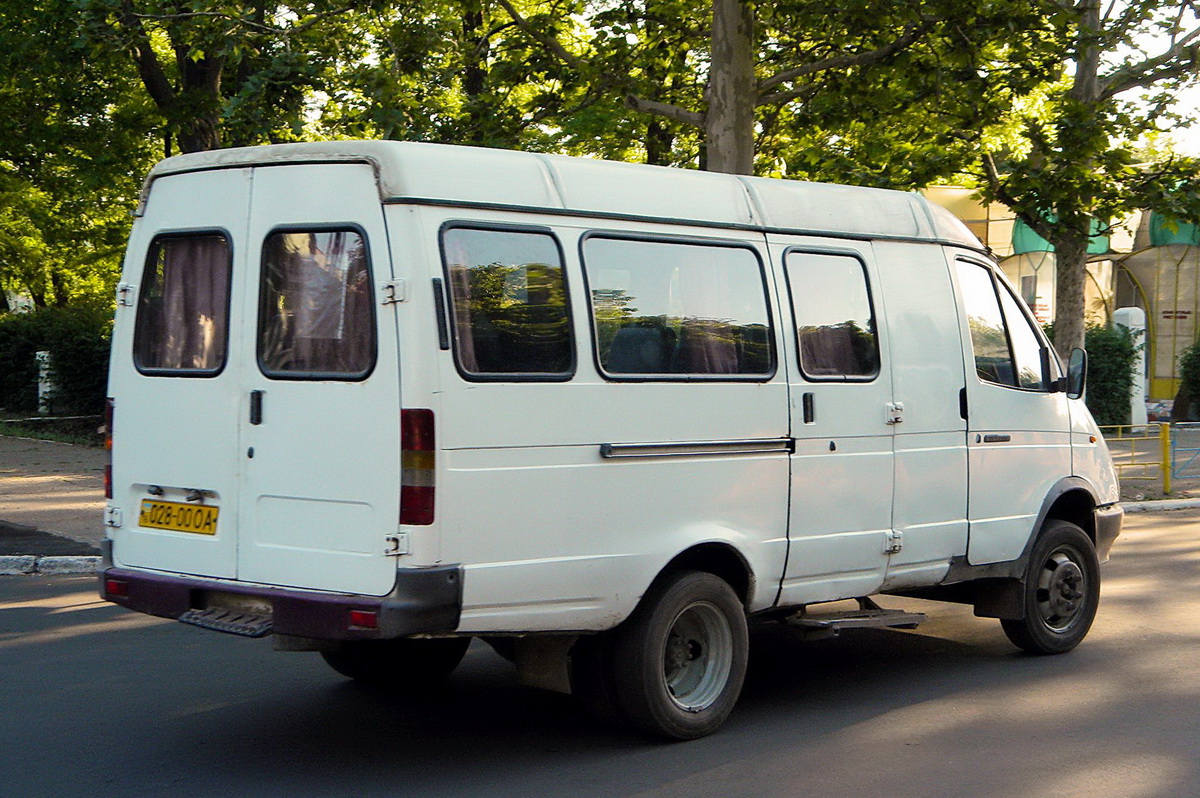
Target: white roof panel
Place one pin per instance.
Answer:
(476, 176)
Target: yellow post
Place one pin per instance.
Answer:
(1164, 435)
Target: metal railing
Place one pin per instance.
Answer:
(1155, 452)
(1141, 452)
(1185, 450)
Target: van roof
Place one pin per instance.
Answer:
(443, 174)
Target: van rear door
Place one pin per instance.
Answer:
(319, 408)
(175, 467)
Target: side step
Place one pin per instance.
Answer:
(869, 615)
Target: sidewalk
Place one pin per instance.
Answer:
(51, 506)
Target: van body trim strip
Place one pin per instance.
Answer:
(699, 448)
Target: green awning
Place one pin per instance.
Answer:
(1164, 231)
(1025, 240)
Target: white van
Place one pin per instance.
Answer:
(378, 398)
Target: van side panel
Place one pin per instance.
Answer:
(1019, 440)
(930, 511)
(553, 534)
(842, 470)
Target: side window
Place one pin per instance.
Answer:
(672, 308)
(508, 301)
(316, 315)
(835, 318)
(183, 310)
(1007, 350)
(1027, 348)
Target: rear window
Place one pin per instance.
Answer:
(183, 310)
(316, 318)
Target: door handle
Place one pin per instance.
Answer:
(810, 409)
(256, 407)
(997, 438)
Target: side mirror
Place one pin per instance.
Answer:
(1076, 373)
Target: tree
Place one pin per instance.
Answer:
(222, 74)
(1074, 154)
(474, 72)
(73, 151)
(771, 65)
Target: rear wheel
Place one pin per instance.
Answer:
(681, 657)
(378, 662)
(1061, 591)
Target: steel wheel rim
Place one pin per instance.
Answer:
(1062, 589)
(697, 657)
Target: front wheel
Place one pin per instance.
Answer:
(681, 657)
(403, 660)
(1061, 591)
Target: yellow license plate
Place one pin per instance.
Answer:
(200, 519)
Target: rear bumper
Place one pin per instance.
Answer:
(1108, 526)
(424, 600)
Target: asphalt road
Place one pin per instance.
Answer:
(101, 701)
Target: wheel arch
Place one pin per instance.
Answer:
(1072, 499)
(719, 559)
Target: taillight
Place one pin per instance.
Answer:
(416, 467)
(364, 619)
(109, 412)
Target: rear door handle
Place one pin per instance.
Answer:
(997, 438)
(810, 408)
(256, 407)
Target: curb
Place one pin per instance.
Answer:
(28, 564)
(1163, 505)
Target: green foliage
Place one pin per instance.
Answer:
(1112, 352)
(78, 341)
(1075, 153)
(1189, 374)
(73, 149)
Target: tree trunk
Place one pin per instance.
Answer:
(201, 135)
(1069, 234)
(659, 140)
(729, 122)
(475, 74)
(1070, 254)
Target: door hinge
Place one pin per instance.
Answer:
(112, 516)
(395, 291)
(125, 295)
(895, 412)
(397, 544)
(895, 542)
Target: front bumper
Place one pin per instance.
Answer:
(423, 601)
(1108, 526)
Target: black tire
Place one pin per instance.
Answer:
(681, 657)
(1061, 591)
(389, 662)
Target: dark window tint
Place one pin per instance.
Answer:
(1007, 350)
(316, 317)
(835, 319)
(675, 308)
(509, 303)
(182, 320)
